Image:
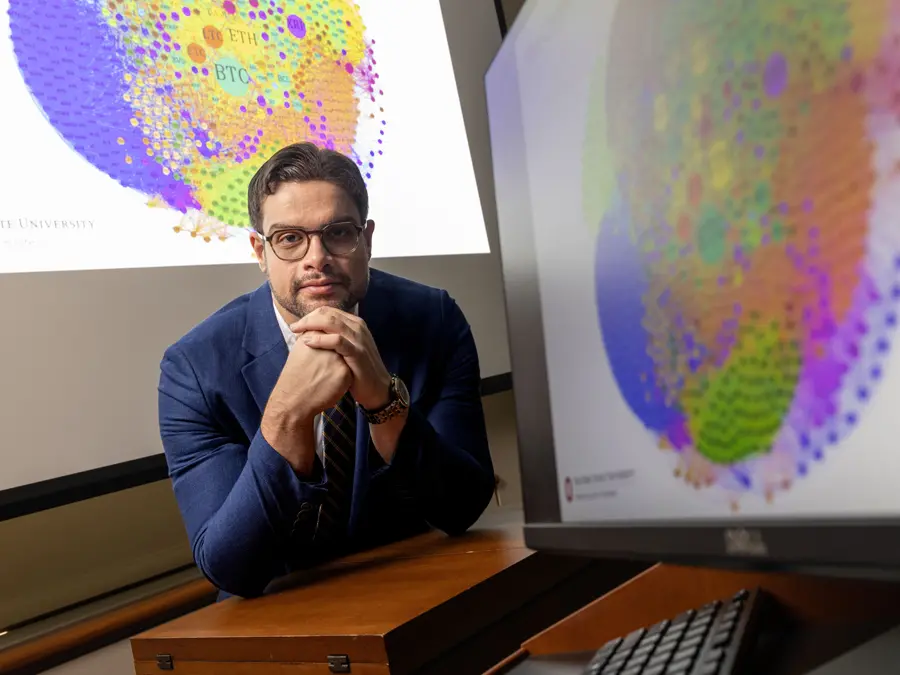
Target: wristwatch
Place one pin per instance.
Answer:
(398, 403)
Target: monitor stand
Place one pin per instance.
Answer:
(821, 622)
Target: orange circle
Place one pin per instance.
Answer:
(196, 52)
(213, 37)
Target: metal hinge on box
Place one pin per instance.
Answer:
(339, 663)
(165, 662)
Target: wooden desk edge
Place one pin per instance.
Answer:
(90, 634)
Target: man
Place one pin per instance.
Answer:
(335, 407)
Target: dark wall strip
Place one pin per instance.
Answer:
(76, 487)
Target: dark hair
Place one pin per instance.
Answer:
(303, 162)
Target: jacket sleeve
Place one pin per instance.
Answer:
(442, 457)
(238, 499)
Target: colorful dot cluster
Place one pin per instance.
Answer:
(183, 101)
(748, 260)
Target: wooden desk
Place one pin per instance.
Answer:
(430, 604)
(824, 617)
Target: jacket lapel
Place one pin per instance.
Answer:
(263, 341)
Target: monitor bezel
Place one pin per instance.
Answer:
(852, 546)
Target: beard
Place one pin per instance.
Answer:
(296, 305)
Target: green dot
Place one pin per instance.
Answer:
(711, 235)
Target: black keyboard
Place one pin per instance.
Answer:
(710, 640)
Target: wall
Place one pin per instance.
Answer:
(511, 9)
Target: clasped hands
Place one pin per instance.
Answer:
(346, 335)
(334, 353)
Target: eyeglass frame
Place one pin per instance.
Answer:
(267, 238)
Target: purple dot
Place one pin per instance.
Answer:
(319, 103)
(177, 76)
(296, 26)
(194, 70)
(349, 68)
(262, 14)
(281, 54)
(302, 96)
(775, 75)
(287, 104)
(119, 17)
(269, 111)
(175, 16)
(252, 15)
(176, 47)
(261, 99)
(265, 36)
(205, 71)
(186, 11)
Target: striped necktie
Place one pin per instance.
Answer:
(339, 435)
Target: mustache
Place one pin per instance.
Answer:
(297, 284)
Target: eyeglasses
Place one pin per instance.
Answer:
(339, 239)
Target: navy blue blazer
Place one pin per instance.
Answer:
(249, 517)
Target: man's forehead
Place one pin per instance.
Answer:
(308, 205)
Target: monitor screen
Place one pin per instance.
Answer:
(699, 207)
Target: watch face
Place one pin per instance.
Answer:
(402, 392)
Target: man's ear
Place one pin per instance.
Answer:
(367, 233)
(259, 250)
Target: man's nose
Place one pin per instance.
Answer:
(317, 255)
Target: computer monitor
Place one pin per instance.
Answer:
(699, 209)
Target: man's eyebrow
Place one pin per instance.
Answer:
(293, 226)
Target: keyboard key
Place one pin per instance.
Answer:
(678, 668)
(658, 628)
(684, 617)
(632, 639)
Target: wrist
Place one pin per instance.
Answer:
(292, 437)
(381, 398)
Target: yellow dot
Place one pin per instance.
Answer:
(120, 140)
(146, 140)
(156, 146)
(128, 159)
(165, 171)
(149, 152)
(134, 122)
(128, 77)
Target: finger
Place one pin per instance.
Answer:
(328, 322)
(333, 341)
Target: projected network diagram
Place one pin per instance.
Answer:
(748, 246)
(187, 99)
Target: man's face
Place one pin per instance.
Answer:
(319, 278)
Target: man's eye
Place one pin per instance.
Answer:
(289, 239)
(340, 232)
